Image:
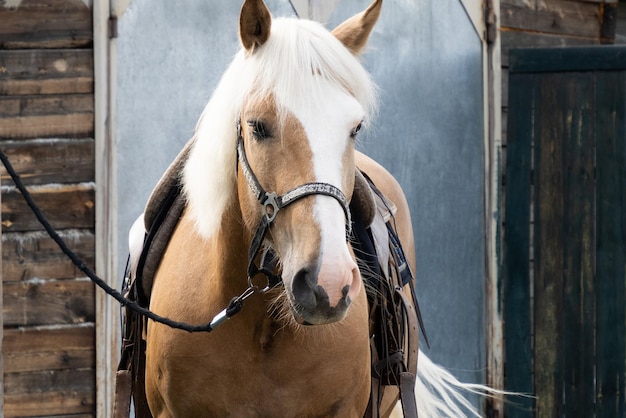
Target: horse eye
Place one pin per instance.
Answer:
(259, 129)
(356, 130)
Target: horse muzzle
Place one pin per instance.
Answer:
(317, 300)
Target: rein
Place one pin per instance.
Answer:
(272, 203)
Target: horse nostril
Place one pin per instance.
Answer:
(345, 292)
(312, 301)
(305, 288)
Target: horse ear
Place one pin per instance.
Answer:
(255, 22)
(353, 33)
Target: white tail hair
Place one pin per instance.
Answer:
(441, 395)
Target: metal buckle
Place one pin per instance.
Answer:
(271, 206)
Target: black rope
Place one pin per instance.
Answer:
(233, 308)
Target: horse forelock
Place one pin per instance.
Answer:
(297, 57)
(295, 66)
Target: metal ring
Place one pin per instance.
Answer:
(256, 288)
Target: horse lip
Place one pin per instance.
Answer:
(336, 315)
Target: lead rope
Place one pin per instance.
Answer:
(233, 307)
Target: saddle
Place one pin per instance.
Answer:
(394, 317)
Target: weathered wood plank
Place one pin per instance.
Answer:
(65, 206)
(517, 39)
(35, 255)
(75, 125)
(577, 109)
(548, 280)
(541, 60)
(46, 24)
(571, 18)
(54, 71)
(47, 161)
(48, 380)
(46, 116)
(69, 115)
(35, 349)
(48, 302)
(55, 392)
(11, 106)
(611, 245)
(517, 304)
(66, 416)
(533, 3)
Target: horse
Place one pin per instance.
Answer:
(275, 151)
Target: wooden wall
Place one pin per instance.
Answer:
(537, 23)
(540, 23)
(567, 127)
(548, 23)
(46, 129)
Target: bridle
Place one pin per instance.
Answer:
(273, 203)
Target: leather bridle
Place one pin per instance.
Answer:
(273, 203)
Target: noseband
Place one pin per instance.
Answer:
(273, 203)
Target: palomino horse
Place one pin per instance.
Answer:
(286, 113)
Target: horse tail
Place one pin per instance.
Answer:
(441, 395)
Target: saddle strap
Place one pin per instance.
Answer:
(123, 393)
(408, 377)
(142, 410)
(130, 376)
(407, 394)
(373, 408)
(411, 331)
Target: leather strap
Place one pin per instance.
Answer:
(123, 384)
(373, 408)
(407, 395)
(412, 334)
(407, 378)
(273, 203)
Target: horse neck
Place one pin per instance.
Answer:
(229, 248)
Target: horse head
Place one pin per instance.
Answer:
(298, 97)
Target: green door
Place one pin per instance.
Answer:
(565, 232)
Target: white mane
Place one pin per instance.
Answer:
(289, 65)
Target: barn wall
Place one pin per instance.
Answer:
(547, 23)
(46, 129)
(544, 23)
(538, 23)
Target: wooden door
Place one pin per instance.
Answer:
(565, 246)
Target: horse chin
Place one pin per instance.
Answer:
(322, 315)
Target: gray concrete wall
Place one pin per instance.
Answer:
(427, 60)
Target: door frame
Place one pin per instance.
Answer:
(485, 16)
(107, 309)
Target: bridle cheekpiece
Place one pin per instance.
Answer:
(272, 204)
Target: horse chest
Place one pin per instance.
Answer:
(264, 370)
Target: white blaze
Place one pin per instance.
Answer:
(328, 124)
